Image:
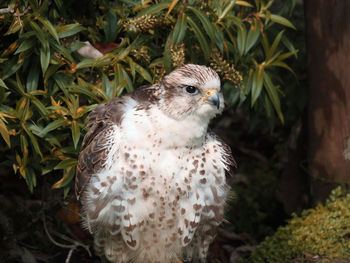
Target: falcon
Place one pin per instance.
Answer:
(151, 178)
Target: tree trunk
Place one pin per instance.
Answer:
(328, 43)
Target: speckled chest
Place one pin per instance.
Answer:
(160, 187)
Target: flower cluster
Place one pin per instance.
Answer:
(225, 70)
(158, 73)
(141, 54)
(177, 53)
(142, 23)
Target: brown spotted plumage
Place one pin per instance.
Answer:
(151, 178)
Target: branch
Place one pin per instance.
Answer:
(6, 10)
(75, 244)
(24, 12)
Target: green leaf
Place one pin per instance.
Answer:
(83, 90)
(38, 104)
(273, 95)
(153, 9)
(49, 27)
(33, 140)
(25, 45)
(275, 44)
(11, 67)
(40, 34)
(65, 52)
(281, 20)
(75, 133)
(257, 84)
(44, 58)
(282, 65)
(66, 179)
(66, 164)
(69, 30)
(241, 40)
(107, 87)
(86, 63)
(179, 31)
(200, 37)
(207, 25)
(50, 127)
(4, 133)
(30, 178)
(2, 84)
(33, 76)
(111, 29)
(253, 35)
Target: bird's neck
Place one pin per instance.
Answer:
(189, 131)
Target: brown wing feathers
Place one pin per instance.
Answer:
(100, 120)
(93, 157)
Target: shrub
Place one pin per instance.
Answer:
(47, 88)
(320, 234)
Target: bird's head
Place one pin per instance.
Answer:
(192, 90)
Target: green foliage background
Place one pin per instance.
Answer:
(47, 88)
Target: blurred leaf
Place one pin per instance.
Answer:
(154, 9)
(171, 7)
(207, 25)
(273, 95)
(180, 29)
(67, 177)
(68, 30)
(44, 58)
(49, 27)
(25, 45)
(111, 29)
(275, 44)
(75, 133)
(4, 133)
(241, 40)
(70, 162)
(253, 35)
(243, 3)
(282, 20)
(33, 77)
(33, 140)
(200, 37)
(257, 84)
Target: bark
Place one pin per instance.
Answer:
(328, 43)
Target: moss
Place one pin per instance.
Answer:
(322, 232)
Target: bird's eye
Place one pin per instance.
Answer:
(191, 89)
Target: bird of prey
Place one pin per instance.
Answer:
(151, 177)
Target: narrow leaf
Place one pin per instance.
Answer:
(200, 37)
(49, 27)
(66, 164)
(281, 20)
(257, 84)
(44, 58)
(273, 95)
(69, 30)
(4, 133)
(75, 133)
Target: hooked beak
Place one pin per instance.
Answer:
(212, 97)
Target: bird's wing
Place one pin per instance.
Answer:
(92, 159)
(101, 120)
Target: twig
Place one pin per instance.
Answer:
(51, 238)
(70, 253)
(24, 12)
(72, 247)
